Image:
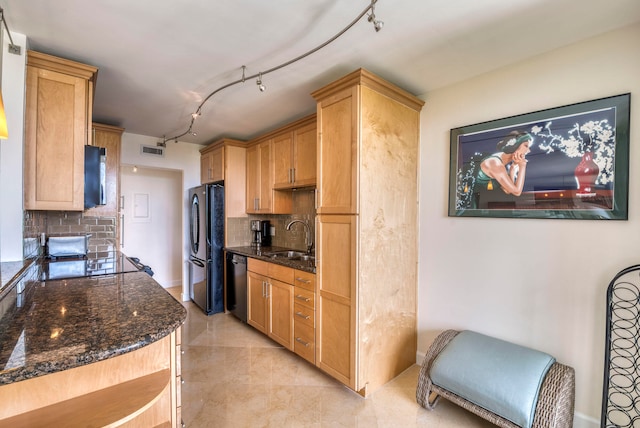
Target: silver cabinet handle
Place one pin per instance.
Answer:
(299, 340)
(301, 315)
(301, 297)
(306, 281)
(293, 175)
(122, 230)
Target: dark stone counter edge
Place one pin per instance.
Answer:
(92, 356)
(258, 254)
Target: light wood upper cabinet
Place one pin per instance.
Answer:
(366, 230)
(110, 138)
(295, 155)
(225, 160)
(261, 197)
(212, 165)
(59, 98)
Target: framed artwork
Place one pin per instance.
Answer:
(569, 162)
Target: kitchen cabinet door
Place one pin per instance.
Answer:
(261, 197)
(304, 155)
(257, 307)
(57, 123)
(337, 153)
(259, 178)
(281, 312)
(336, 306)
(294, 156)
(282, 168)
(212, 166)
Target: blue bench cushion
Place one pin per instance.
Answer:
(499, 376)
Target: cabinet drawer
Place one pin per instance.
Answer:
(281, 273)
(303, 314)
(258, 266)
(304, 342)
(305, 280)
(304, 297)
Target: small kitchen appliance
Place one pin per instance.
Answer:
(256, 233)
(265, 233)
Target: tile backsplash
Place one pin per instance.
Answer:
(239, 232)
(103, 230)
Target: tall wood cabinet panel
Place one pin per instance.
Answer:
(59, 97)
(366, 252)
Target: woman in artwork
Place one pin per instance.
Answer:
(506, 168)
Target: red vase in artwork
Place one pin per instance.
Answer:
(586, 175)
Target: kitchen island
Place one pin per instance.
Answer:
(102, 350)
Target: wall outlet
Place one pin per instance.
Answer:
(273, 231)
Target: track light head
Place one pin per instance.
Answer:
(259, 83)
(377, 24)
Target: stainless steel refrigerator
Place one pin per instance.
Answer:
(206, 241)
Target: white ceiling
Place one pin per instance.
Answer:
(158, 59)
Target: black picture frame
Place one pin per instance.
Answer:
(577, 166)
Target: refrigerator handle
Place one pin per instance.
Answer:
(196, 261)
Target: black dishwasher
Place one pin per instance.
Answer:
(237, 285)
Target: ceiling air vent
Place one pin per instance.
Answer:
(150, 150)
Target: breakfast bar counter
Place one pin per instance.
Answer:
(89, 341)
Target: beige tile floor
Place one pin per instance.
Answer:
(235, 376)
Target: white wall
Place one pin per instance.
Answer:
(539, 283)
(184, 157)
(11, 150)
(153, 230)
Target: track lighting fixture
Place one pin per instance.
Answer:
(371, 17)
(377, 24)
(259, 83)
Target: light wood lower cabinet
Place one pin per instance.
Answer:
(270, 300)
(138, 389)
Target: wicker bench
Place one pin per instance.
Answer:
(553, 409)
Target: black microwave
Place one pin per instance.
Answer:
(95, 176)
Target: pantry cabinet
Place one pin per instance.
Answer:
(59, 98)
(366, 230)
(270, 300)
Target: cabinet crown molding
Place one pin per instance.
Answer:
(364, 77)
(62, 65)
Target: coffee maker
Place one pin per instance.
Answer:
(261, 233)
(256, 234)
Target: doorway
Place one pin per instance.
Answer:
(152, 220)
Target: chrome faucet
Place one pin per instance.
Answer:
(308, 239)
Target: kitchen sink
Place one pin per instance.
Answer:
(290, 255)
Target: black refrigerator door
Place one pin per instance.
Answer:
(215, 240)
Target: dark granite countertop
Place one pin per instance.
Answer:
(63, 324)
(261, 254)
